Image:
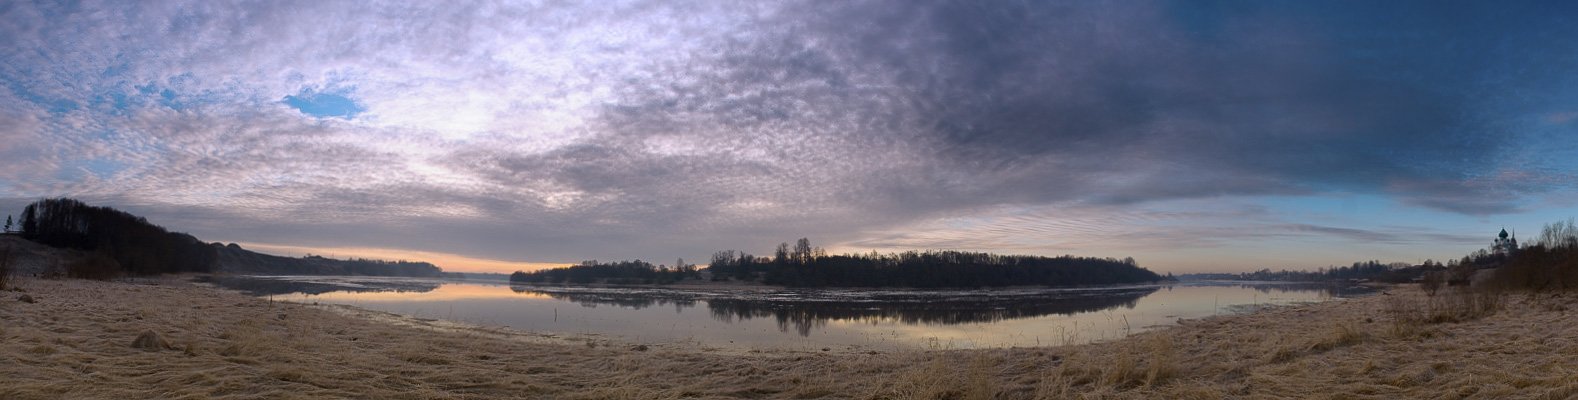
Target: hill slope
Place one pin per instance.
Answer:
(29, 258)
(236, 260)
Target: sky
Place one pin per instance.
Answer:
(1193, 135)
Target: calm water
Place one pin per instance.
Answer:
(800, 319)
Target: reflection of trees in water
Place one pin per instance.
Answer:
(1328, 288)
(255, 286)
(634, 300)
(806, 314)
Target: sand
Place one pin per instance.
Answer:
(168, 338)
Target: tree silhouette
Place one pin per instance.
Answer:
(28, 223)
(591, 271)
(802, 251)
(810, 267)
(138, 246)
(1550, 264)
(781, 254)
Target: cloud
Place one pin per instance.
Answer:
(1563, 117)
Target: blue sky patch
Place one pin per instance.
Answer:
(54, 105)
(62, 106)
(168, 98)
(101, 168)
(324, 105)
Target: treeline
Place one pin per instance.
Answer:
(372, 267)
(1550, 264)
(1372, 270)
(236, 260)
(122, 242)
(619, 273)
(805, 266)
(802, 265)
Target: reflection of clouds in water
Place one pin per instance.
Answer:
(794, 318)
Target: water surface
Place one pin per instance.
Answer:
(800, 318)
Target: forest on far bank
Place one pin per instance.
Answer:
(802, 265)
(116, 243)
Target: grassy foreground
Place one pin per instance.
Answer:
(90, 339)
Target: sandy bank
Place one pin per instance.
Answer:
(75, 341)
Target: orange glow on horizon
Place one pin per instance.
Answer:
(448, 262)
(444, 292)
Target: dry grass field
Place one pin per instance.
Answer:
(172, 339)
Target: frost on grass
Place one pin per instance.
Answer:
(150, 341)
(89, 339)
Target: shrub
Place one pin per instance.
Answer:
(1432, 282)
(6, 260)
(94, 266)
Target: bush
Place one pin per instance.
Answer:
(6, 259)
(1432, 282)
(94, 266)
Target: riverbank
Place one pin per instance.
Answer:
(76, 340)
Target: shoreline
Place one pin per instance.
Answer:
(75, 341)
(858, 320)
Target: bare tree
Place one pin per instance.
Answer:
(1559, 234)
(683, 268)
(781, 255)
(802, 251)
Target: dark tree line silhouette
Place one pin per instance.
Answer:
(1363, 270)
(1550, 264)
(133, 244)
(374, 267)
(621, 272)
(234, 259)
(122, 243)
(804, 266)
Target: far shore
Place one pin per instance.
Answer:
(701, 284)
(170, 338)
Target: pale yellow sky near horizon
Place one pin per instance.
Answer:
(1183, 263)
(448, 262)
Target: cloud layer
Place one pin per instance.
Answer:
(561, 131)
